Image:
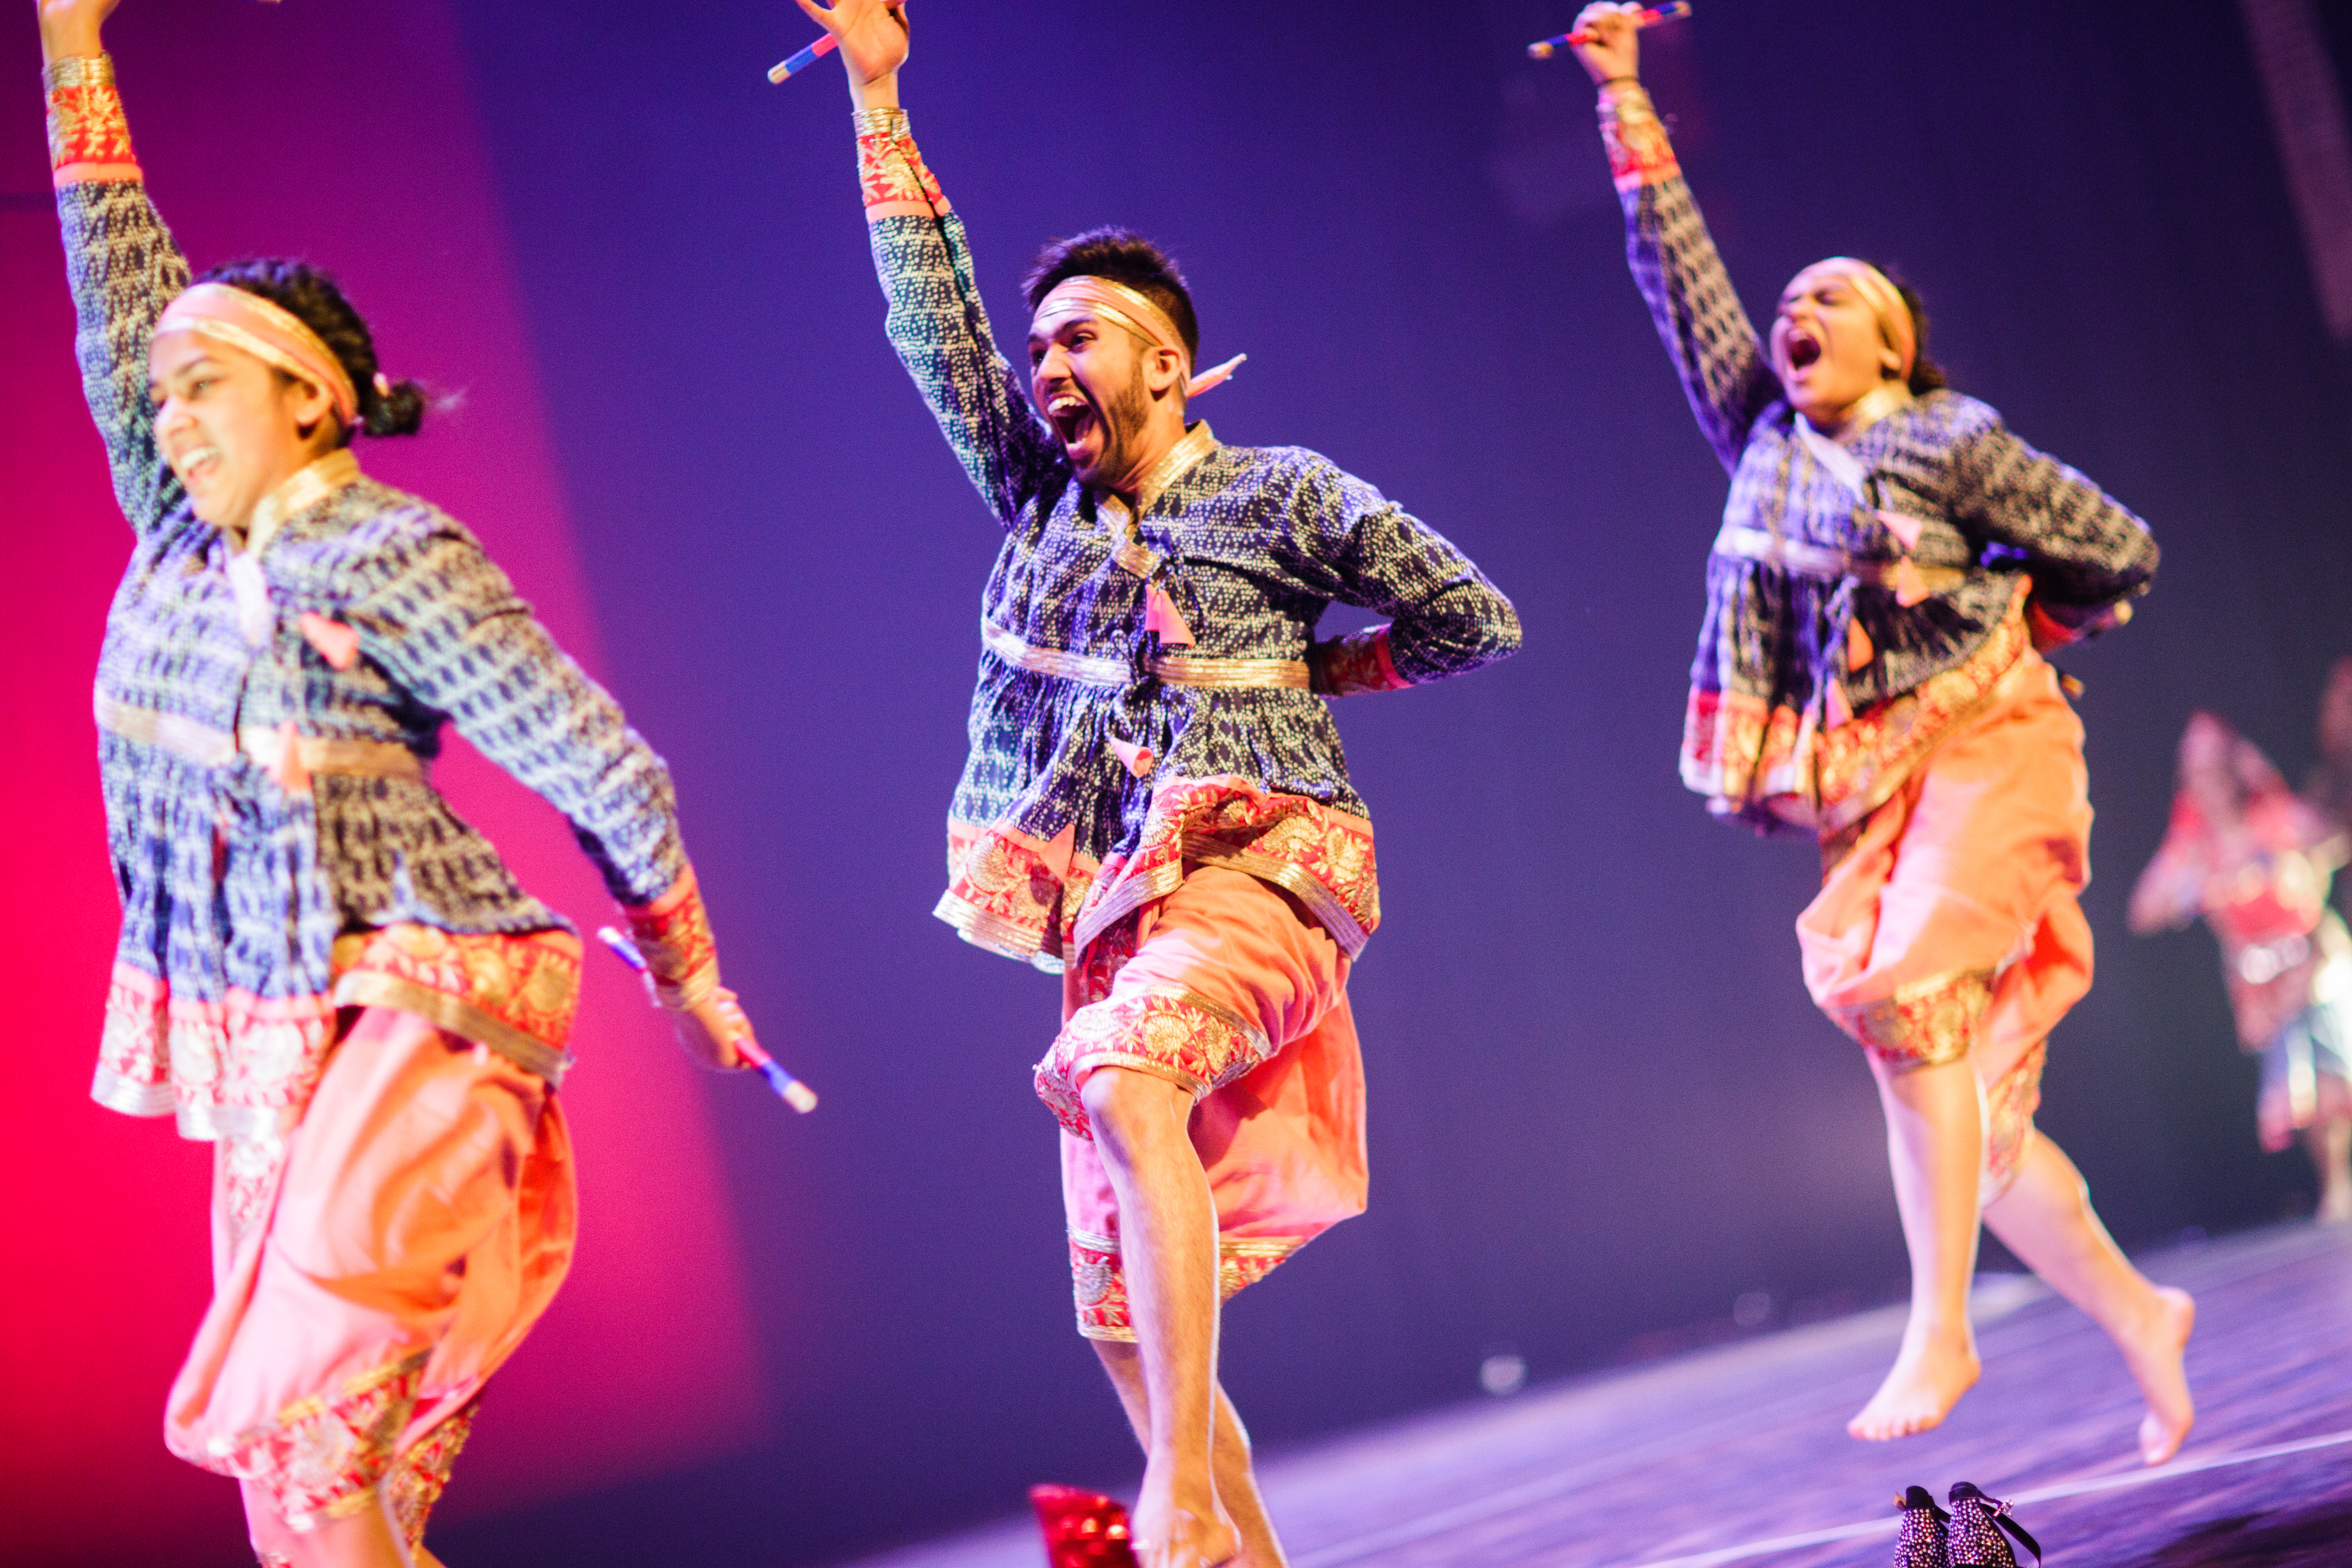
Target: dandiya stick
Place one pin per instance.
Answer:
(791, 1091)
(817, 51)
(1544, 48)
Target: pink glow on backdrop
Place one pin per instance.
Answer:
(364, 152)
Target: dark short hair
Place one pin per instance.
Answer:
(1122, 255)
(313, 295)
(1927, 376)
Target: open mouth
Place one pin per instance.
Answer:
(1072, 416)
(197, 463)
(1803, 349)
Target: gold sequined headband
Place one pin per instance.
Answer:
(1086, 295)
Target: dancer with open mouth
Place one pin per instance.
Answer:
(1891, 563)
(1155, 805)
(321, 970)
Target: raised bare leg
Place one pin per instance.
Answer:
(1229, 1457)
(2046, 1218)
(367, 1538)
(1934, 1142)
(2330, 1145)
(1168, 1251)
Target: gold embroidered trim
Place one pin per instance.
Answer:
(2009, 1105)
(983, 929)
(338, 471)
(1175, 1075)
(1831, 564)
(1926, 1023)
(79, 70)
(367, 988)
(1200, 671)
(1304, 886)
(131, 1097)
(1083, 668)
(1136, 559)
(206, 747)
(1259, 1045)
(1205, 673)
(1197, 442)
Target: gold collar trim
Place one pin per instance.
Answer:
(1197, 442)
(302, 490)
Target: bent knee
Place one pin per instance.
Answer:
(1126, 1104)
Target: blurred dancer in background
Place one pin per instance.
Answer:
(2330, 787)
(2256, 862)
(321, 970)
(1155, 805)
(1891, 561)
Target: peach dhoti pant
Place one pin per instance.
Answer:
(1946, 926)
(1227, 987)
(372, 1268)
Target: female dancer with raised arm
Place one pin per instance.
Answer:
(322, 970)
(1890, 561)
(2256, 862)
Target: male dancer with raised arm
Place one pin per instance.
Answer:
(1155, 805)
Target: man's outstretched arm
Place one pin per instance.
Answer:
(936, 321)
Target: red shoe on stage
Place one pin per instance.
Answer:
(1083, 1529)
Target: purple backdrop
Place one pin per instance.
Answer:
(1602, 1106)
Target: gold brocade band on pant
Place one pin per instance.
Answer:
(1198, 670)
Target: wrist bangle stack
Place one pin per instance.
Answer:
(79, 70)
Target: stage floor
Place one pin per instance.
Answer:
(1739, 1454)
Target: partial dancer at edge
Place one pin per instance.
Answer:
(2256, 862)
(1891, 559)
(321, 970)
(1155, 805)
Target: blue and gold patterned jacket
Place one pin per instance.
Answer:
(1144, 695)
(1860, 594)
(265, 797)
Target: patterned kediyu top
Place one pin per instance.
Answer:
(277, 847)
(1862, 597)
(1148, 681)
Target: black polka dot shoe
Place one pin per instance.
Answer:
(1977, 1521)
(1920, 1543)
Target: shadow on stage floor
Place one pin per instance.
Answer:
(1739, 1454)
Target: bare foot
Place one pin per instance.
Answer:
(2335, 1204)
(2153, 1352)
(1928, 1378)
(1182, 1526)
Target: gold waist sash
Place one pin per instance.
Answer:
(207, 747)
(1829, 563)
(1192, 670)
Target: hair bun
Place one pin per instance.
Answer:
(396, 409)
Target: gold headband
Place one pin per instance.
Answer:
(1886, 302)
(269, 332)
(1086, 295)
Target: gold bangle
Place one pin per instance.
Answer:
(79, 70)
(891, 122)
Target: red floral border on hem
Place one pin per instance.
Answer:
(1740, 752)
(322, 1458)
(1098, 1280)
(1321, 856)
(1925, 1024)
(2009, 1105)
(1177, 1035)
